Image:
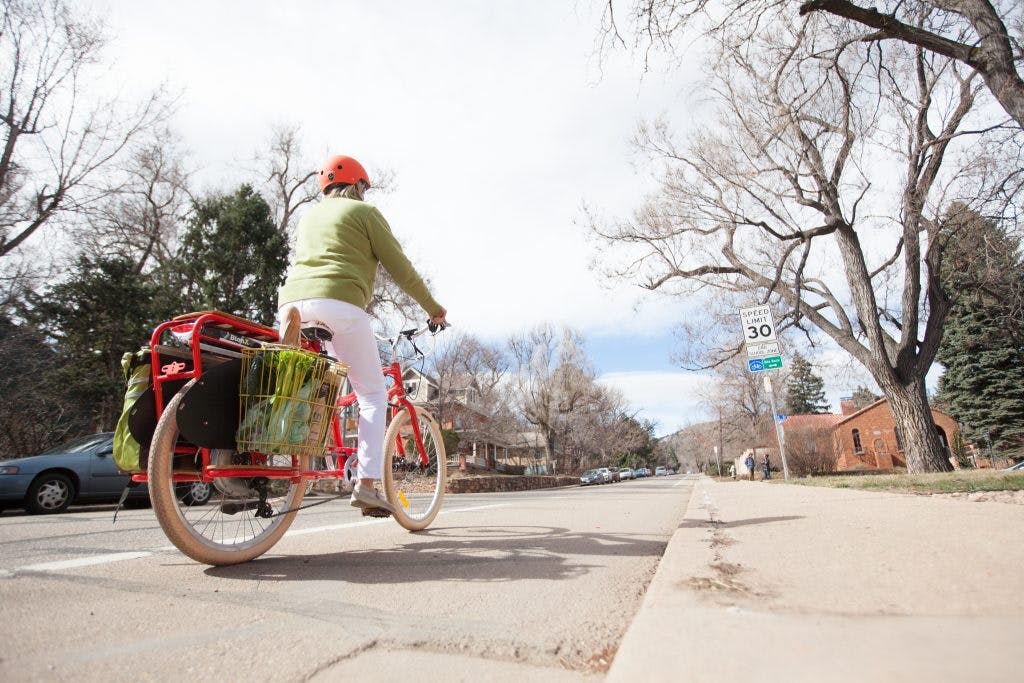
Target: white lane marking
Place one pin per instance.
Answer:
(120, 557)
(332, 527)
(83, 561)
(475, 508)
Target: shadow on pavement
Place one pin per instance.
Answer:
(727, 524)
(455, 554)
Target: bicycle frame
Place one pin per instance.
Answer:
(397, 399)
(223, 336)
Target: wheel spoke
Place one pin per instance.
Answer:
(208, 533)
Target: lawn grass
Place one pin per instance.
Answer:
(963, 481)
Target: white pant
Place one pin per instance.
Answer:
(355, 344)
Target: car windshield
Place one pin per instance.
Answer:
(589, 473)
(82, 443)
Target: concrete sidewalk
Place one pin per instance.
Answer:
(778, 582)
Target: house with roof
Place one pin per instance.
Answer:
(482, 444)
(867, 438)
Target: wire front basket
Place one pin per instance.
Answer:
(287, 398)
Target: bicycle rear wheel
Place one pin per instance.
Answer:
(415, 488)
(226, 530)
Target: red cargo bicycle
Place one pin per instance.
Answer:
(256, 495)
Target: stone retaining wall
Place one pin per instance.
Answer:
(508, 483)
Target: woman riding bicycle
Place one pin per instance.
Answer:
(339, 243)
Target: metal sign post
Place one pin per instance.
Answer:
(778, 426)
(765, 353)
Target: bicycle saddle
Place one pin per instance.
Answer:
(318, 333)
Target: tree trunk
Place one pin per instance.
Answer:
(913, 417)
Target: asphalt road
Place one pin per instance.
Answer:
(540, 584)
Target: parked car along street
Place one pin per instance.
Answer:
(591, 477)
(81, 470)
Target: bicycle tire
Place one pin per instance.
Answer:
(415, 491)
(195, 530)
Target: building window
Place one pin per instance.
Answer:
(899, 439)
(857, 448)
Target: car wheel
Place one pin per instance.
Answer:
(49, 493)
(197, 493)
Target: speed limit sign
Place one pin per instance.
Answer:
(758, 324)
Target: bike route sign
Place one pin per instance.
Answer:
(761, 364)
(759, 336)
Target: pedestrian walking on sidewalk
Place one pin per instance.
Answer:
(767, 467)
(749, 462)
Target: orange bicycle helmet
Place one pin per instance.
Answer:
(342, 169)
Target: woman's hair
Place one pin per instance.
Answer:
(346, 191)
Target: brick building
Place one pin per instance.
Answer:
(865, 438)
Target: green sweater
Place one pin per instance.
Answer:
(338, 245)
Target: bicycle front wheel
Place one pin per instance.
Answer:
(414, 480)
(226, 529)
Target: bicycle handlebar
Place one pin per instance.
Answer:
(410, 334)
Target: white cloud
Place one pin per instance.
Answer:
(667, 398)
(492, 116)
(494, 119)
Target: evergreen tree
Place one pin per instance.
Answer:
(804, 390)
(863, 397)
(104, 309)
(983, 382)
(34, 411)
(233, 257)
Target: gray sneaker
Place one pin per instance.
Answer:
(370, 499)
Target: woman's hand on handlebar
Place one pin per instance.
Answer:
(438, 322)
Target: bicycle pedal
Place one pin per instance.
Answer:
(375, 512)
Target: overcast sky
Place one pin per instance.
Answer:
(498, 120)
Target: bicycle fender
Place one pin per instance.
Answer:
(208, 413)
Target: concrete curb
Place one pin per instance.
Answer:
(771, 582)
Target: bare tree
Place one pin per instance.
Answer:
(390, 302)
(692, 446)
(737, 400)
(602, 431)
(986, 36)
(470, 375)
(822, 193)
(57, 140)
(288, 176)
(552, 379)
(141, 219)
(809, 450)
